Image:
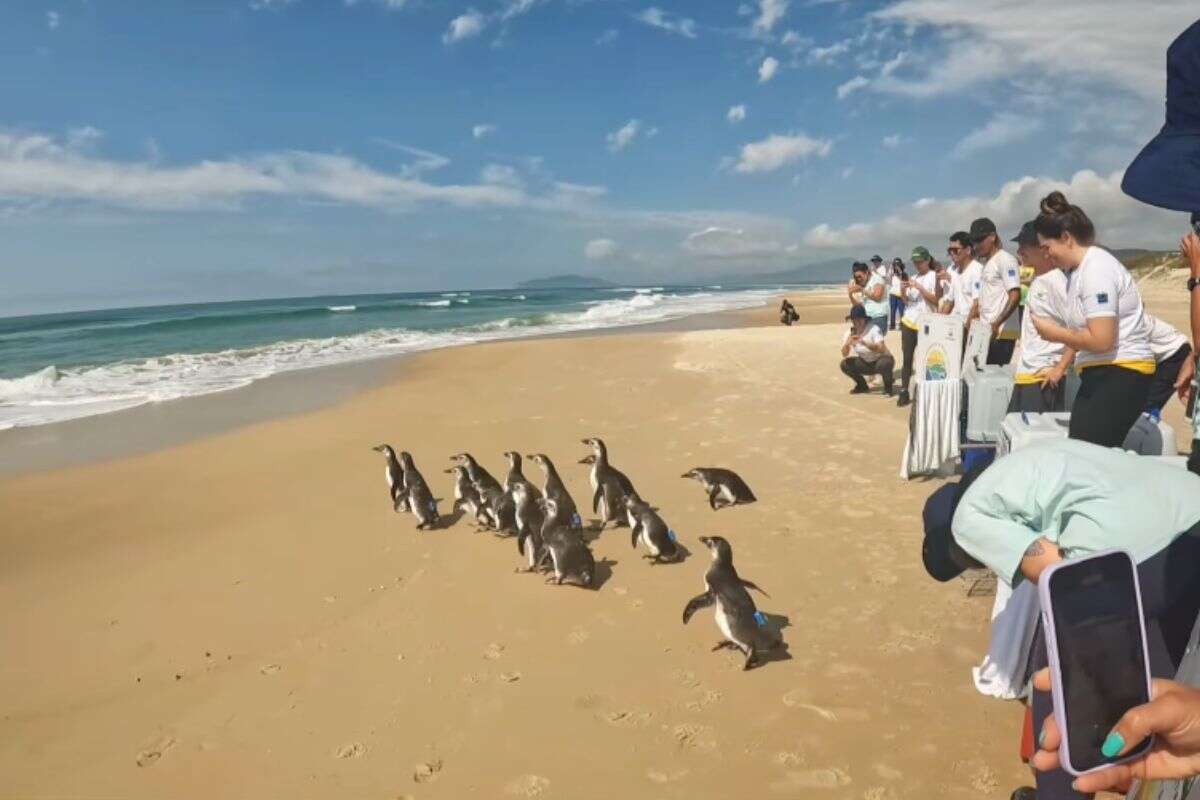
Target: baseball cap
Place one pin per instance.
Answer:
(858, 312)
(1028, 234)
(897, 262)
(877, 259)
(942, 556)
(859, 266)
(921, 254)
(981, 229)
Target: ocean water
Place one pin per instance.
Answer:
(56, 367)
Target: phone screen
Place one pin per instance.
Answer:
(1100, 652)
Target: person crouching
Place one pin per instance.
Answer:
(865, 353)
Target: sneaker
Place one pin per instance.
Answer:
(904, 398)
(860, 390)
(1024, 793)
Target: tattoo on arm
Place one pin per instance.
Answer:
(1034, 550)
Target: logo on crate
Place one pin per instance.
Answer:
(935, 364)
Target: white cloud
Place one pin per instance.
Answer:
(269, 5)
(424, 161)
(893, 141)
(767, 69)
(716, 242)
(501, 175)
(482, 130)
(516, 8)
(1002, 129)
(600, 250)
(53, 19)
(608, 37)
(465, 26)
(829, 55)
(847, 173)
(1117, 43)
(770, 12)
(1120, 220)
(621, 138)
(851, 86)
(655, 17)
(778, 151)
(736, 113)
(36, 167)
(387, 5)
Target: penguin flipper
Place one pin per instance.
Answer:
(521, 537)
(596, 498)
(696, 603)
(712, 496)
(752, 585)
(636, 527)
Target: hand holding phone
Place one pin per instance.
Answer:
(1099, 667)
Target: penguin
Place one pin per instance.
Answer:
(466, 496)
(395, 477)
(515, 475)
(554, 489)
(498, 509)
(569, 556)
(418, 498)
(601, 475)
(479, 476)
(655, 536)
(529, 521)
(741, 624)
(722, 485)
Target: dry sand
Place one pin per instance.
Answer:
(245, 616)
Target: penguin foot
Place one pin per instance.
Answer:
(722, 645)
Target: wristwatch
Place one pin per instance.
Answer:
(1192, 283)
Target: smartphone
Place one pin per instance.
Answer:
(1096, 646)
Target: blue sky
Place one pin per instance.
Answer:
(227, 148)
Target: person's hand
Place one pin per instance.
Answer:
(1047, 329)
(1172, 716)
(996, 326)
(1190, 247)
(1183, 384)
(1052, 377)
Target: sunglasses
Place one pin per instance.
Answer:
(953, 251)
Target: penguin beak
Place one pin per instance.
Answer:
(378, 448)
(448, 471)
(584, 461)
(686, 475)
(706, 541)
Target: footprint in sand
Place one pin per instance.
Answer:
(510, 677)
(789, 758)
(269, 669)
(694, 736)
(880, 793)
(150, 756)
(577, 636)
(666, 776)
(630, 718)
(685, 678)
(350, 750)
(528, 786)
(706, 699)
(427, 772)
(493, 651)
(830, 778)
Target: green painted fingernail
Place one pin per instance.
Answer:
(1042, 738)
(1113, 745)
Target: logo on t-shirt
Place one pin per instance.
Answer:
(1102, 298)
(1012, 273)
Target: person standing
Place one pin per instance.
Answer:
(920, 298)
(1000, 290)
(865, 353)
(878, 268)
(873, 293)
(969, 276)
(1038, 384)
(895, 293)
(1107, 326)
(1172, 356)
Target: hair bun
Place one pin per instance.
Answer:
(1055, 203)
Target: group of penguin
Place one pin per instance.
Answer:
(549, 529)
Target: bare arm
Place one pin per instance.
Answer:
(1190, 247)
(1099, 336)
(1055, 374)
(1039, 555)
(1014, 300)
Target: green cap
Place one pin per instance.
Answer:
(921, 254)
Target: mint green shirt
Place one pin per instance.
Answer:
(876, 308)
(1083, 497)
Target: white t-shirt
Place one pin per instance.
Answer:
(871, 336)
(1101, 287)
(915, 306)
(1165, 338)
(894, 286)
(883, 271)
(950, 289)
(1000, 274)
(1047, 299)
(969, 284)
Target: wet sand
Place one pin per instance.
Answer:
(244, 615)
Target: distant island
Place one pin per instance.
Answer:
(566, 282)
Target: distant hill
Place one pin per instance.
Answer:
(566, 282)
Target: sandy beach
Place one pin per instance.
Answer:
(243, 614)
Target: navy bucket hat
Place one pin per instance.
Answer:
(1167, 171)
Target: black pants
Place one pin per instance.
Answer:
(1000, 351)
(855, 368)
(908, 345)
(1033, 399)
(1170, 583)
(1110, 400)
(1163, 384)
